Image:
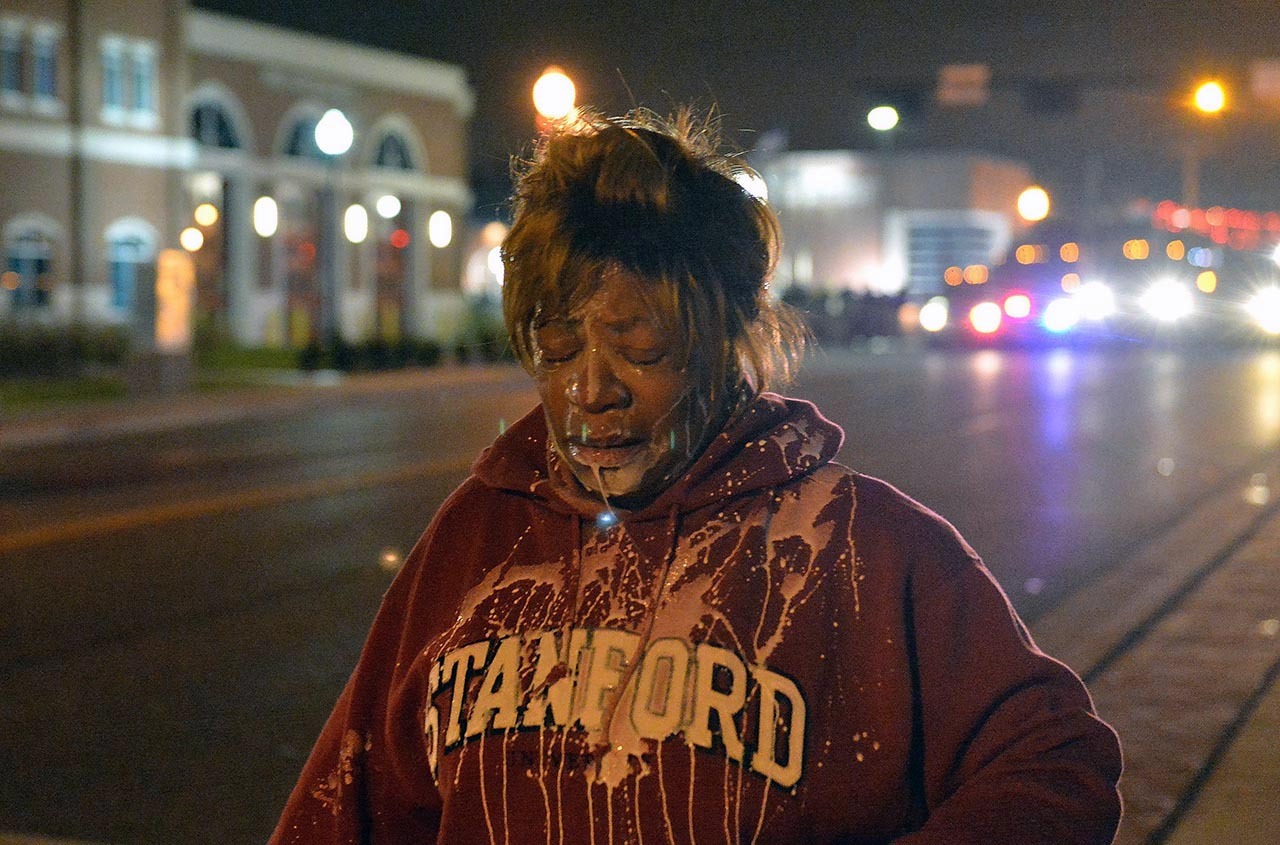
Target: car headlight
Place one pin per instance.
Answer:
(1095, 301)
(985, 317)
(934, 314)
(1264, 308)
(1061, 315)
(1167, 301)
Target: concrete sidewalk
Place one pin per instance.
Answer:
(1180, 641)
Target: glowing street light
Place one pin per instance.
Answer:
(882, 118)
(334, 133)
(1033, 204)
(1210, 97)
(554, 95)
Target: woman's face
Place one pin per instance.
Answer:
(625, 412)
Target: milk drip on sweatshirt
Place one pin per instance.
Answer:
(775, 649)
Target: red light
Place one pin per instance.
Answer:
(399, 239)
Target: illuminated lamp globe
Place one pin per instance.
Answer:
(191, 239)
(1210, 97)
(554, 94)
(882, 118)
(1033, 204)
(334, 133)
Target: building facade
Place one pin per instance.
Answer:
(892, 222)
(131, 128)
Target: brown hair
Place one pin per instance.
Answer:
(654, 197)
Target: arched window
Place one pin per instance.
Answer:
(28, 264)
(393, 152)
(301, 139)
(211, 126)
(131, 245)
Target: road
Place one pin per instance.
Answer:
(182, 607)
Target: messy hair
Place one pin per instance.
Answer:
(655, 197)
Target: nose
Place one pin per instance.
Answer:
(595, 387)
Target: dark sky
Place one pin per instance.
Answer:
(806, 68)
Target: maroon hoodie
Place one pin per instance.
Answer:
(776, 650)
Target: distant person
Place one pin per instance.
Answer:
(658, 611)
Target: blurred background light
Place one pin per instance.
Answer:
(1095, 301)
(387, 206)
(355, 223)
(1264, 308)
(206, 214)
(334, 133)
(494, 262)
(985, 317)
(934, 314)
(1210, 97)
(1061, 315)
(1017, 306)
(266, 216)
(191, 239)
(882, 118)
(554, 94)
(1167, 301)
(1033, 204)
(440, 229)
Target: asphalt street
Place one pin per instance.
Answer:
(188, 584)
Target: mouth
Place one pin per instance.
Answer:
(606, 453)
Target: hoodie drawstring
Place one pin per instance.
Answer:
(673, 545)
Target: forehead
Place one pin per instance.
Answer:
(618, 297)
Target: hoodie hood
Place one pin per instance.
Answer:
(771, 441)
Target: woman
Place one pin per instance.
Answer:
(658, 611)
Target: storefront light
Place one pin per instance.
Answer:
(440, 229)
(191, 239)
(387, 206)
(266, 217)
(355, 223)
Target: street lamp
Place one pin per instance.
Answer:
(554, 96)
(882, 118)
(1209, 99)
(334, 136)
(1033, 204)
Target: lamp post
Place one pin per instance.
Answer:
(334, 136)
(1209, 99)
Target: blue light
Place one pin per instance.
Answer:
(607, 519)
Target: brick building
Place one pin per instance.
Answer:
(130, 128)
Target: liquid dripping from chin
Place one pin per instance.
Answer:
(608, 518)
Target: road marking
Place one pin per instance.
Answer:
(28, 839)
(243, 500)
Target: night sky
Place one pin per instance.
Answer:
(810, 70)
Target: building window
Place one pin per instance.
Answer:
(113, 89)
(125, 256)
(12, 85)
(211, 126)
(301, 140)
(44, 63)
(393, 152)
(143, 78)
(129, 81)
(28, 261)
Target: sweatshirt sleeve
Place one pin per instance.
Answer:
(1010, 750)
(360, 784)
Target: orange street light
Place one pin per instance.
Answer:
(554, 95)
(1210, 97)
(1033, 204)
